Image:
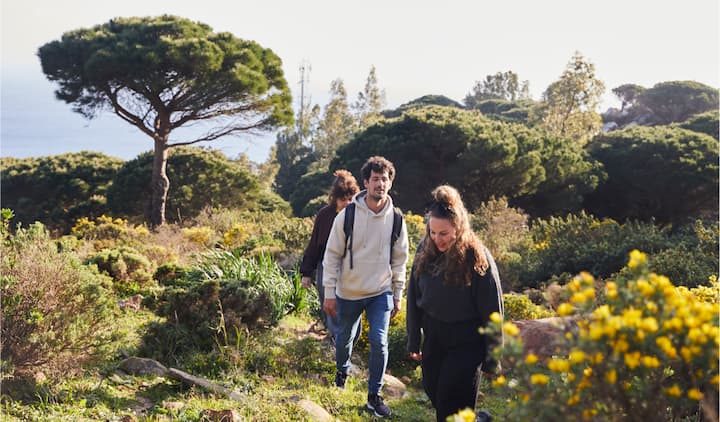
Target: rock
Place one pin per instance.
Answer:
(186, 378)
(393, 388)
(220, 415)
(132, 303)
(143, 366)
(315, 411)
(128, 418)
(544, 337)
(172, 406)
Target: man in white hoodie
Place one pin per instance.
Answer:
(371, 278)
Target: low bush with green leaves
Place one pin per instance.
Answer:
(56, 312)
(520, 307)
(581, 242)
(220, 295)
(130, 270)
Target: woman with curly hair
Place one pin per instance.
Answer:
(453, 289)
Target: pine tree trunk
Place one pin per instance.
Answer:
(160, 183)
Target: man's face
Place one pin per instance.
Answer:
(378, 185)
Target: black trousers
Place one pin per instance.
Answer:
(451, 354)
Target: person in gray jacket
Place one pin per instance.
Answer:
(454, 287)
(371, 278)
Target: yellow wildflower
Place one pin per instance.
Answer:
(650, 361)
(645, 288)
(611, 376)
(559, 365)
(602, 312)
(575, 399)
(673, 391)
(511, 329)
(621, 345)
(565, 309)
(714, 379)
(632, 360)
(587, 372)
(576, 356)
(637, 259)
(496, 317)
(686, 354)
(531, 358)
(466, 415)
(499, 381)
(541, 379)
(649, 324)
(694, 394)
(578, 298)
(652, 307)
(589, 413)
(598, 358)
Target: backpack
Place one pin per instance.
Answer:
(350, 221)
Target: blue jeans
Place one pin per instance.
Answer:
(377, 310)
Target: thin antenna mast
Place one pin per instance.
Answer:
(305, 69)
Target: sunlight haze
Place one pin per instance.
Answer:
(417, 47)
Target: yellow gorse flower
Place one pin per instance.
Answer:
(531, 358)
(637, 259)
(611, 376)
(565, 309)
(511, 329)
(541, 379)
(673, 391)
(499, 381)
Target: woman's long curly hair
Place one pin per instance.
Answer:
(466, 256)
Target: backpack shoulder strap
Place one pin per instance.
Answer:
(348, 230)
(396, 228)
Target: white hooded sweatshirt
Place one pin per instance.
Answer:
(373, 271)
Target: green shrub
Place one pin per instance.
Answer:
(219, 296)
(504, 230)
(170, 274)
(583, 243)
(519, 307)
(56, 313)
(693, 256)
(254, 233)
(130, 270)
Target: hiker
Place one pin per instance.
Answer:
(343, 188)
(364, 270)
(454, 287)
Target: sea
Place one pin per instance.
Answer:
(33, 123)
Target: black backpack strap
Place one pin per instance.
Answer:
(348, 229)
(396, 228)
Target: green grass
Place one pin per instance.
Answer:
(273, 370)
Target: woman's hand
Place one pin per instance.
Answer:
(306, 282)
(416, 356)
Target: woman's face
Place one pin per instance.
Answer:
(442, 233)
(341, 203)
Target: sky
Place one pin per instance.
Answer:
(418, 47)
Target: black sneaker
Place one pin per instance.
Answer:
(340, 379)
(375, 403)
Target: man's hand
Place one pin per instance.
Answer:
(330, 307)
(396, 308)
(306, 282)
(416, 356)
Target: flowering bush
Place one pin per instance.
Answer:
(519, 307)
(650, 352)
